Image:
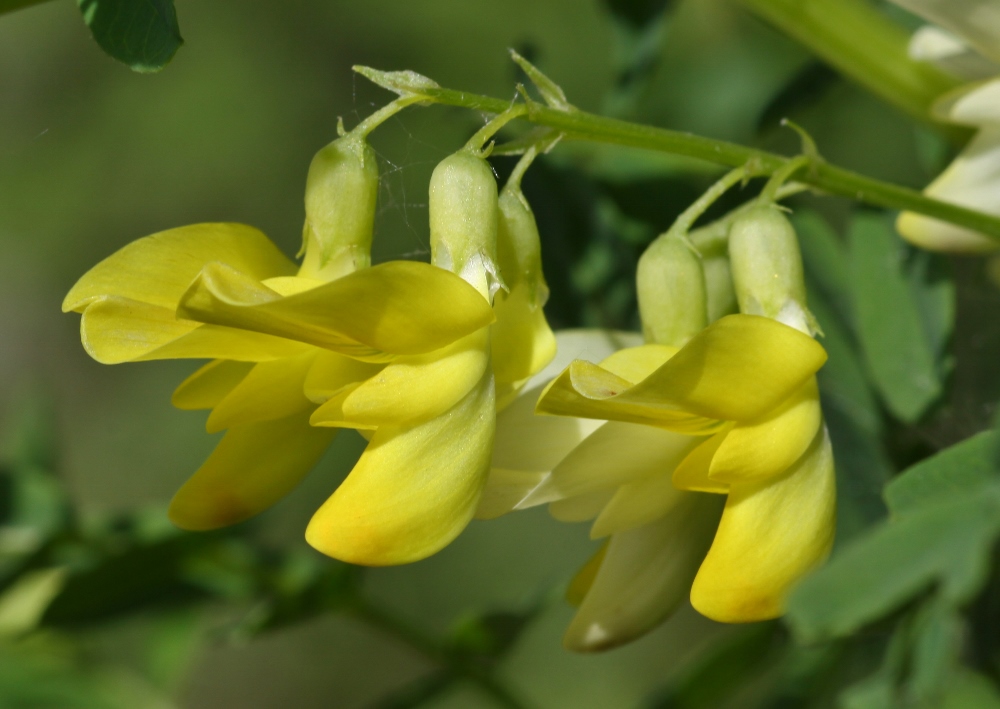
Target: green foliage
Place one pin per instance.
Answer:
(142, 34)
(904, 310)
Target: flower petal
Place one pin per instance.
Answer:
(644, 576)
(115, 330)
(737, 369)
(976, 21)
(971, 180)
(504, 490)
(210, 384)
(526, 441)
(762, 449)
(411, 389)
(332, 371)
(950, 54)
(580, 584)
(636, 363)
(254, 466)
(522, 341)
(395, 308)
(641, 501)
(592, 345)
(589, 391)
(692, 472)
(159, 268)
(581, 508)
(414, 488)
(616, 453)
(272, 390)
(771, 534)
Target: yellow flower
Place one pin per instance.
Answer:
(637, 442)
(278, 341)
(748, 381)
(401, 351)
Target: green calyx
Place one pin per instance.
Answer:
(464, 210)
(767, 267)
(670, 284)
(341, 192)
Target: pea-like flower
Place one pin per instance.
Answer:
(400, 351)
(648, 438)
(740, 415)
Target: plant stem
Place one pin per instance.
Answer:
(580, 125)
(862, 43)
(436, 651)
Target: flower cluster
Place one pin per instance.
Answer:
(700, 454)
(410, 354)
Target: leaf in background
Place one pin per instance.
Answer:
(733, 660)
(638, 13)
(963, 468)
(826, 262)
(971, 690)
(938, 640)
(489, 636)
(121, 582)
(851, 411)
(934, 292)
(806, 87)
(948, 544)
(637, 32)
(23, 604)
(140, 33)
(34, 504)
(891, 325)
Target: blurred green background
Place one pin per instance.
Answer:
(93, 156)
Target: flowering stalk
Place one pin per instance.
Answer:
(580, 125)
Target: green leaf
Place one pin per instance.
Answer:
(900, 352)
(826, 262)
(971, 690)
(140, 33)
(948, 544)
(939, 631)
(964, 467)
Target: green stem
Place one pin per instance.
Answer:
(579, 125)
(380, 116)
(436, 652)
(477, 141)
(713, 238)
(779, 177)
(862, 43)
(690, 215)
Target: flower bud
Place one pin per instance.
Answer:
(522, 341)
(341, 191)
(721, 296)
(463, 218)
(670, 284)
(767, 268)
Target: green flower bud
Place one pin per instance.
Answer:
(719, 287)
(670, 283)
(519, 248)
(463, 217)
(341, 191)
(767, 268)
(522, 341)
